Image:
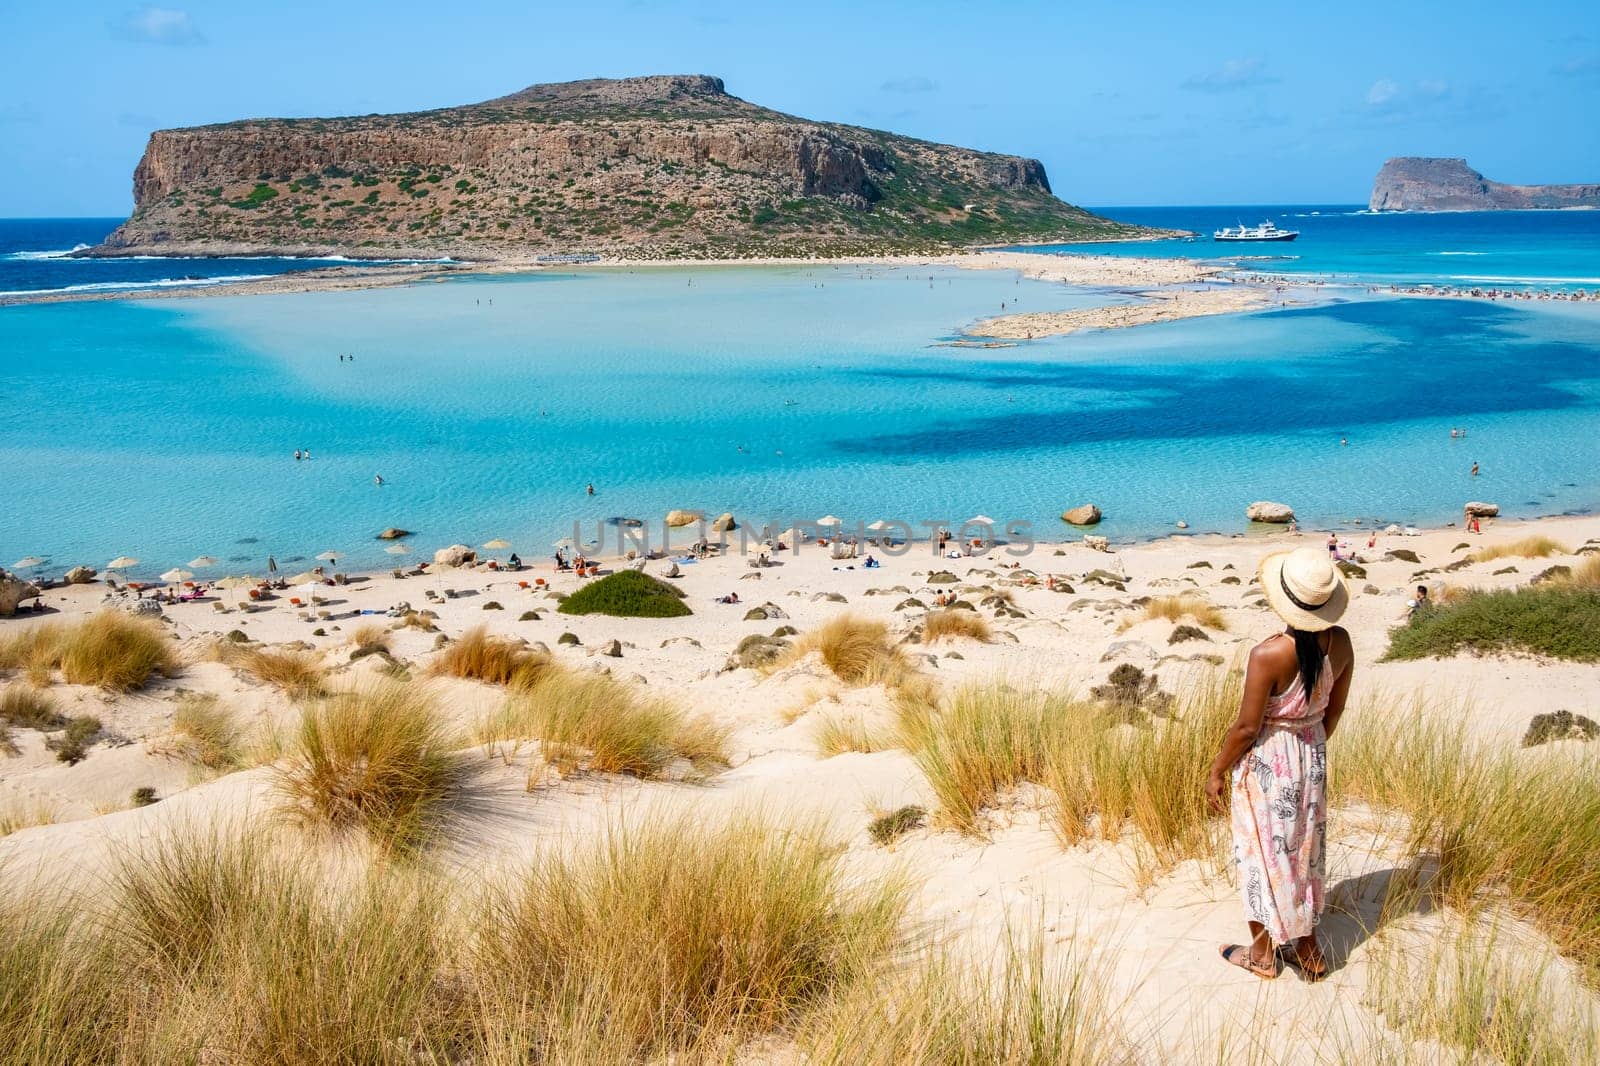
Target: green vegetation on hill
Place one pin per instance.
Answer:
(1558, 620)
(627, 594)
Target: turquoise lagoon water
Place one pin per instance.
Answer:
(166, 429)
(1345, 243)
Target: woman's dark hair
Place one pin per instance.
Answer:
(1308, 649)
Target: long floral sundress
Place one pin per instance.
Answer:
(1279, 812)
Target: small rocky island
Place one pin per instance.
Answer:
(1422, 183)
(651, 167)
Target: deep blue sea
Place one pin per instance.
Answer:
(165, 429)
(1493, 249)
(35, 254)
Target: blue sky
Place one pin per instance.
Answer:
(1129, 103)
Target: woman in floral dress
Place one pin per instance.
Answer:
(1273, 767)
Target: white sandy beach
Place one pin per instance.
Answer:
(1158, 942)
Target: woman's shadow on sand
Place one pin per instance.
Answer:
(1360, 907)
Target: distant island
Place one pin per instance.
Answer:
(1423, 183)
(657, 167)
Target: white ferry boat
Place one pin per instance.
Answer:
(1264, 232)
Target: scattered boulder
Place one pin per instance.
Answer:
(690, 641)
(831, 597)
(784, 631)
(672, 570)
(493, 605)
(1551, 573)
(1086, 515)
(1478, 509)
(1229, 580)
(528, 616)
(455, 555)
(13, 590)
(911, 603)
(725, 523)
(755, 651)
(1185, 632)
(676, 518)
(1106, 578)
(612, 647)
(1559, 725)
(1130, 649)
(1182, 524)
(1349, 569)
(394, 533)
(1506, 570)
(1200, 565)
(1404, 555)
(80, 575)
(1268, 511)
(569, 638)
(942, 577)
(1094, 543)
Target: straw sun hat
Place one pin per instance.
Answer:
(1304, 588)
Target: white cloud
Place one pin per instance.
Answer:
(1233, 74)
(158, 25)
(1383, 92)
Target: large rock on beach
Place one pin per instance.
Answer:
(1268, 511)
(676, 518)
(394, 533)
(455, 555)
(80, 575)
(1086, 515)
(725, 523)
(1094, 543)
(13, 590)
(1478, 509)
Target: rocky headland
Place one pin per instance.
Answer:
(1420, 183)
(649, 167)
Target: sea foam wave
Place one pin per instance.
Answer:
(35, 255)
(163, 283)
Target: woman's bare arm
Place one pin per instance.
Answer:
(1344, 658)
(1265, 664)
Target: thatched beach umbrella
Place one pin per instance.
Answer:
(234, 584)
(122, 562)
(177, 574)
(397, 549)
(203, 562)
(29, 562)
(830, 520)
(498, 544)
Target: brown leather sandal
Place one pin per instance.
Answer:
(1239, 955)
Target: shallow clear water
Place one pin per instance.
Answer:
(1495, 249)
(166, 429)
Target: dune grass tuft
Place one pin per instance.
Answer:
(28, 708)
(670, 936)
(205, 734)
(110, 649)
(15, 815)
(845, 731)
(592, 721)
(377, 759)
(1028, 1011)
(370, 638)
(857, 650)
(298, 674)
(887, 828)
(1533, 547)
(1183, 605)
(953, 625)
(1560, 619)
(71, 745)
(1494, 825)
(479, 657)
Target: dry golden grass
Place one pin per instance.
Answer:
(857, 650)
(1487, 996)
(1174, 608)
(370, 636)
(110, 649)
(955, 625)
(592, 721)
(298, 674)
(1587, 573)
(1499, 824)
(205, 734)
(677, 937)
(29, 708)
(24, 814)
(1534, 547)
(1029, 1011)
(378, 759)
(496, 661)
(843, 731)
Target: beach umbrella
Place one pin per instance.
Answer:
(233, 584)
(830, 520)
(498, 544)
(878, 527)
(980, 520)
(28, 562)
(397, 549)
(122, 562)
(309, 577)
(177, 574)
(203, 561)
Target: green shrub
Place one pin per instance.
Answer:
(627, 594)
(1558, 620)
(72, 746)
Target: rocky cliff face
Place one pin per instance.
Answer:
(655, 166)
(1418, 183)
